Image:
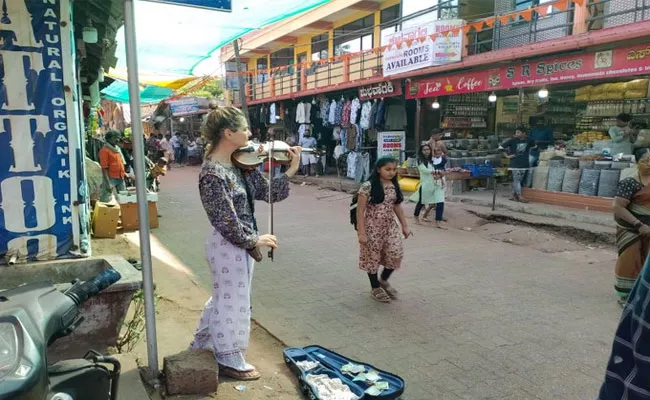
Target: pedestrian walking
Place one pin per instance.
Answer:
(228, 195)
(432, 185)
(380, 242)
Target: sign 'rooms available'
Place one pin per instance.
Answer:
(37, 219)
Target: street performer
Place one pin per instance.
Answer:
(228, 195)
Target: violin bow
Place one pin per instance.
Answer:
(270, 255)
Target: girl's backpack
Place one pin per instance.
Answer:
(353, 210)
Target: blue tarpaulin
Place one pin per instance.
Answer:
(119, 91)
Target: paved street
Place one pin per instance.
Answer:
(477, 318)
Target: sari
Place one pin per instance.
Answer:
(628, 369)
(632, 247)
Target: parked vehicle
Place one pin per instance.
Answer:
(32, 317)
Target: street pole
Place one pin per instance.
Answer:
(240, 80)
(140, 185)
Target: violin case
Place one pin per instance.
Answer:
(331, 364)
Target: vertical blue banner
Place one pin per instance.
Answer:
(37, 166)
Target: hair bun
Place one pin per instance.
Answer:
(213, 105)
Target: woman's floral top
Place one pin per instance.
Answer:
(224, 197)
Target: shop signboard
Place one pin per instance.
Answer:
(187, 106)
(447, 85)
(380, 90)
(391, 144)
(39, 137)
(413, 48)
(615, 63)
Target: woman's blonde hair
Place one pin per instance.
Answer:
(218, 120)
(644, 165)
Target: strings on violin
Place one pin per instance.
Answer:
(255, 154)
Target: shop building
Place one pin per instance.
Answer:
(54, 56)
(508, 51)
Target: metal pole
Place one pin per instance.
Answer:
(140, 184)
(240, 79)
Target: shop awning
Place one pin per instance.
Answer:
(118, 91)
(169, 81)
(185, 40)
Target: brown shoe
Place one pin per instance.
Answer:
(380, 295)
(391, 291)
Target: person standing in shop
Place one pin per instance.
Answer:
(380, 242)
(543, 137)
(308, 160)
(518, 151)
(111, 160)
(622, 135)
(168, 151)
(228, 195)
(435, 142)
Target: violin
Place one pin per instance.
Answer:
(251, 157)
(255, 154)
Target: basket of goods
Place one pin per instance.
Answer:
(457, 174)
(589, 137)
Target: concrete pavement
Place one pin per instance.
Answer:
(477, 318)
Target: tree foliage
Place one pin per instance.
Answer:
(210, 90)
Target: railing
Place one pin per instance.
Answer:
(610, 13)
(294, 80)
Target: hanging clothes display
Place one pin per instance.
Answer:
(332, 113)
(345, 116)
(380, 118)
(264, 115)
(303, 113)
(365, 115)
(354, 110)
(352, 164)
(324, 111)
(373, 114)
(395, 117)
(352, 134)
(272, 115)
(339, 112)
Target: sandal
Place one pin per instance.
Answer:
(426, 219)
(380, 295)
(232, 373)
(390, 290)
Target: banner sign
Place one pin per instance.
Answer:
(391, 144)
(217, 5)
(187, 106)
(379, 90)
(422, 46)
(37, 152)
(620, 62)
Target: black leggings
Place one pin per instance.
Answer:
(419, 206)
(374, 280)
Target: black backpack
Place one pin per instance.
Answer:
(353, 210)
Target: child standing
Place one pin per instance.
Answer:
(379, 201)
(308, 160)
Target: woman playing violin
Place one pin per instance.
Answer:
(228, 194)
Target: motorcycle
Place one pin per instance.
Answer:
(32, 317)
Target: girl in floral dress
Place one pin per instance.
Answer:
(228, 195)
(380, 237)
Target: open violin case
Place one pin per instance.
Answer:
(331, 364)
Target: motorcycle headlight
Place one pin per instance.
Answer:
(8, 349)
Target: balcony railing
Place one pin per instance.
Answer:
(307, 79)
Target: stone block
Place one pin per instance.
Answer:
(191, 372)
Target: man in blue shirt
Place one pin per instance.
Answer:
(543, 137)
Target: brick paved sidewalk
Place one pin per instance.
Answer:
(477, 319)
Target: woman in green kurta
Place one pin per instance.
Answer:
(430, 191)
